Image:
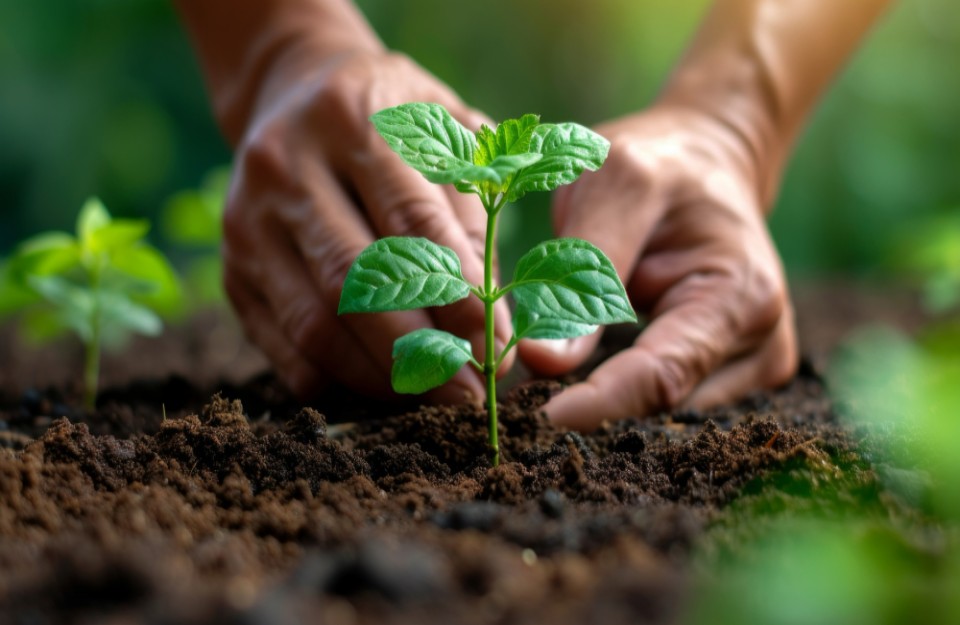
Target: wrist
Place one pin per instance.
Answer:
(735, 97)
(252, 53)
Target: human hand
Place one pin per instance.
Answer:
(676, 208)
(314, 185)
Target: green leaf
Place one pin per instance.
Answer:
(120, 315)
(75, 305)
(568, 149)
(92, 217)
(428, 139)
(402, 273)
(511, 137)
(45, 254)
(527, 324)
(426, 358)
(570, 280)
(116, 235)
(154, 283)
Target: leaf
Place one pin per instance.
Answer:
(120, 315)
(93, 216)
(511, 137)
(74, 305)
(568, 149)
(402, 273)
(154, 281)
(527, 324)
(45, 254)
(570, 280)
(426, 358)
(116, 235)
(428, 139)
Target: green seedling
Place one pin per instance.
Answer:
(103, 284)
(191, 221)
(562, 288)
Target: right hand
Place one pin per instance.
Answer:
(314, 184)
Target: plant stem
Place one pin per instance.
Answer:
(490, 358)
(91, 363)
(91, 366)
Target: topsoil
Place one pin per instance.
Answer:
(221, 499)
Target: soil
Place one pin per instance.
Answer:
(211, 495)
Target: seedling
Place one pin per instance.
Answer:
(562, 288)
(102, 284)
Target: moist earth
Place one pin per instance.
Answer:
(228, 501)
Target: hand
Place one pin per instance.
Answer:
(676, 207)
(314, 185)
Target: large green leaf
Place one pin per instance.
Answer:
(527, 324)
(428, 139)
(568, 149)
(402, 273)
(570, 280)
(426, 358)
(119, 316)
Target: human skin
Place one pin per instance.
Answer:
(679, 206)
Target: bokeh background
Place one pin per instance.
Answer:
(103, 97)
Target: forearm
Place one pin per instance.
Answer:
(759, 66)
(250, 50)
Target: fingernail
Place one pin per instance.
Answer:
(560, 347)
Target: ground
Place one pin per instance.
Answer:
(210, 495)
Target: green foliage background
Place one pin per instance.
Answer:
(103, 97)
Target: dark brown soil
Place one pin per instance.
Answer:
(246, 507)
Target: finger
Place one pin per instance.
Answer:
(707, 320)
(304, 378)
(553, 357)
(772, 365)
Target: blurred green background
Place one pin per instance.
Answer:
(103, 97)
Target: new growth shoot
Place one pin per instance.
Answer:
(103, 284)
(562, 288)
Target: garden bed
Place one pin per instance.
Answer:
(211, 495)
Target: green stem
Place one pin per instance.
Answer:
(91, 366)
(91, 362)
(490, 358)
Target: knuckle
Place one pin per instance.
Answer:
(332, 264)
(418, 217)
(672, 382)
(769, 299)
(305, 324)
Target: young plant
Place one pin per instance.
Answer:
(102, 284)
(562, 288)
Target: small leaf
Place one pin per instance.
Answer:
(74, 305)
(402, 273)
(570, 280)
(511, 137)
(426, 358)
(567, 149)
(154, 283)
(45, 254)
(92, 217)
(427, 138)
(527, 324)
(120, 315)
(117, 235)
